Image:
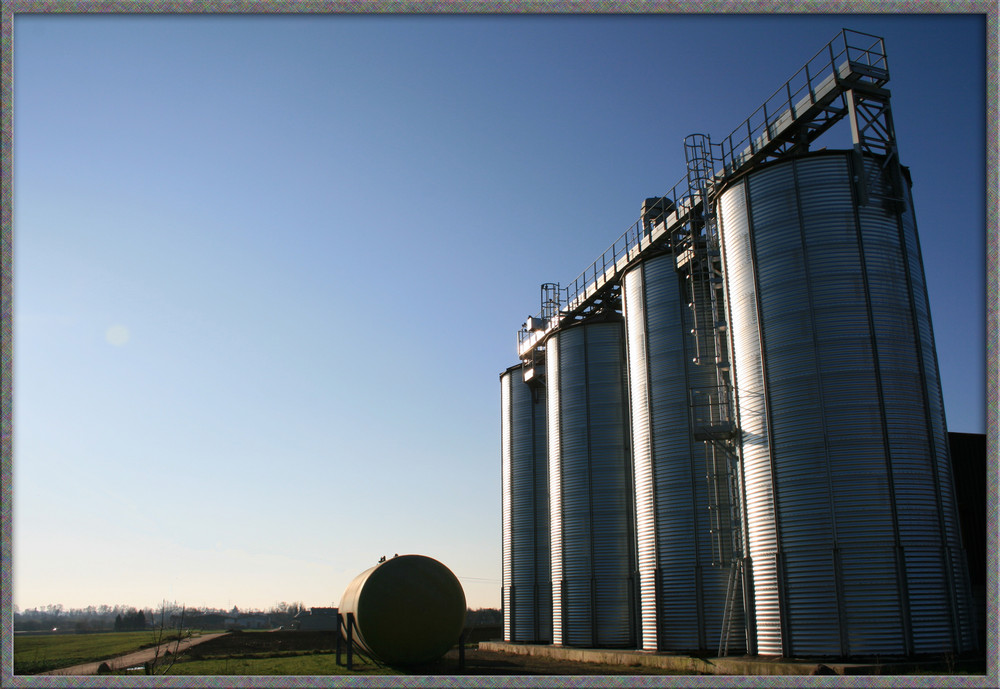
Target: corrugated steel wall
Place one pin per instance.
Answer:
(852, 526)
(527, 585)
(748, 379)
(957, 598)
(506, 567)
(590, 488)
(682, 595)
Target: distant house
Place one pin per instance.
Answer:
(316, 620)
(200, 620)
(213, 620)
(254, 622)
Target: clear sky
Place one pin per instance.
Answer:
(268, 269)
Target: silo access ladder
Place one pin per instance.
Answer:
(698, 258)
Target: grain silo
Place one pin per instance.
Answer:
(789, 459)
(683, 572)
(852, 525)
(590, 487)
(527, 582)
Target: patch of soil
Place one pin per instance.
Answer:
(266, 643)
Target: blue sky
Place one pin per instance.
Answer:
(268, 269)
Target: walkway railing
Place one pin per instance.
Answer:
(851, 57)
(574, 294)
(849, 52)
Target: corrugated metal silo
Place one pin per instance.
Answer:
(852, 525)
(590, 487)
(682, 581)
(527, 583)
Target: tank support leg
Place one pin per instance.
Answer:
(461, 651)
(350, 641)
(340, 634)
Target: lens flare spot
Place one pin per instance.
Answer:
(117, 335)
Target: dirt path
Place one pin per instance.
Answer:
(135, 658)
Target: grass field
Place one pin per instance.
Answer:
(275, 654)
(284, 653)
(313, 654)
(319, 664)
(269, 653)
(34, 654)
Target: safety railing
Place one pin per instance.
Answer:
(710, 411)
(573, 294)
(849, 52)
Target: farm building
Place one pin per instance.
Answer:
(316, 620)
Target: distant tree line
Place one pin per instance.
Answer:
(122, 618)
(131, 621)
(107, 618)
(483, 617)
(103, 618)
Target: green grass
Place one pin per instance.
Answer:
(34, 654)
(318, 664)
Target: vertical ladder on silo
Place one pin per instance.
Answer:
(728, 613)
(712, 408)
(533, 369)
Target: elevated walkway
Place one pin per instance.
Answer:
(804, 107)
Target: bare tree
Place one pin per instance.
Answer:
(161, 639)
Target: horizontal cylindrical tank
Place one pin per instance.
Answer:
(852, 526)
(590, 487)
(682, 578)
(527, 581)
(409, 609)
